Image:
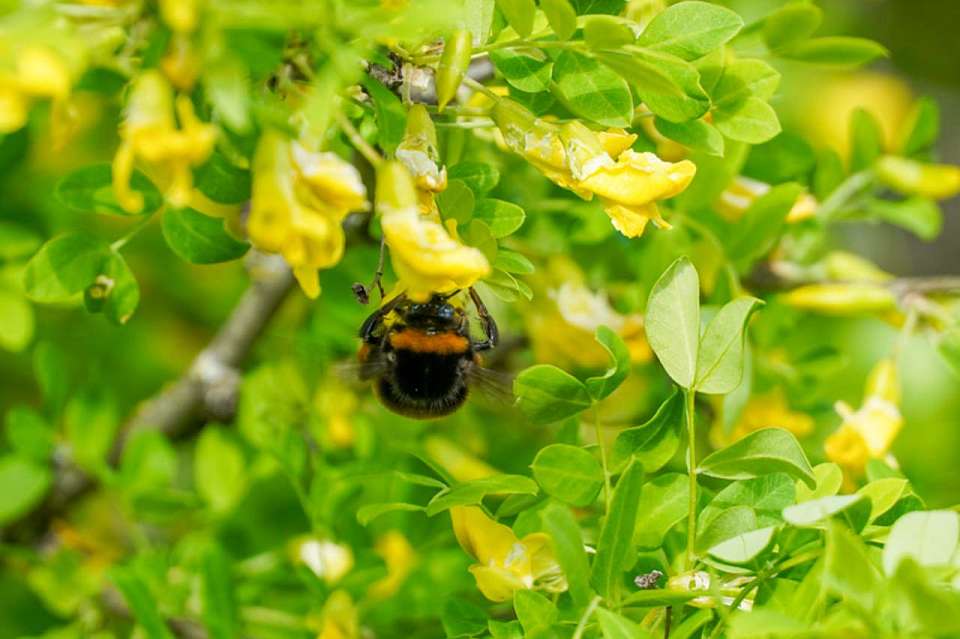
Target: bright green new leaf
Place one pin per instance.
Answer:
(513, 262)
(199, 238)
(766, 496)
(149, 464)
(829, 478)
(470, 493)
(928, 537)
(919, 215)
(601, 387)
(24, 482)
(839, 51)
(790, 24)
(884, 494)
(17, 241)
(16, 321)
(547, 394)
(866, 140)
(527, 69)
(699, 135)
(672, 321)
(479, 176)
(653, 443)
(720, 355)
(756, 233)
(744, 548)
(535, 612)
(663, 502)
(90, 190)
(219, 470)
(765, 451)
(669, 85)
(854, 508)
(503, 218)
(922, 127)
(568, 473)
(461, 618)
(592, 91)
(519, 13)
(567, 541)
(691, 29)
(64, 266)
(616, 535)
(227, 84)
(29, 434)
(607, 32)
(561, 16)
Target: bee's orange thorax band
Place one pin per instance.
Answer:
(420, 342)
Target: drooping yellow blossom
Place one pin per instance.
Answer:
(299, 200)
(742, 192)
(150, 132)
(400, 558)
(628, 183)
(909, 177)
(326, 559)
(426, 257)
(763, 411)
(868, 432)
(339, 619)
(505, 564)
(418, 154)
(39, 72)
(842, 298)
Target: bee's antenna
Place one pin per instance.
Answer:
(362, 292)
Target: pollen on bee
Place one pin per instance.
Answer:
(441, 343)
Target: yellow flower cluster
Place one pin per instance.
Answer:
(505, 564)
(427, 257)
(39, 72)
(298, 204)
(601, 164)
(150, 132)
(869, 432)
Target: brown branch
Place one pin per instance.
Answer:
(207, 390)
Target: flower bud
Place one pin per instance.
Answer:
(514, 121)
(909, 177)
(848, 267)
(841, 299)
(418, 151)
(453, 66)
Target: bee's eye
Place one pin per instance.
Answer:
(445, 312)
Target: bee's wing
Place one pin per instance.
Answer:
(358, 372)
(495, 386)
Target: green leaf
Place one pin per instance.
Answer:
(884, 494)
(854, 508)
(922, 127)
(547, 394)
(63, 267)
(765, 451)
(761, 225)
(928, 537)
(25, 483)
(607, 32)
(115, 292)
(90, 423)
(535, 612)
(17, 241)
(767, 496)
(791, 24)
(668, 85)
(744, 548)
(653, 443)
(568, 473)
(601, 387)
(866, 140)
(219, 470)
(90, 190)
(745, 78)
(726, 525)
(141, 602)
(763, 623)
(720, 355)
(848, 571)
(585, 7)
(920, 216)
(219, 603)
(479, 176)
(614, 626)
(366, 514)
(16, 321)
(663, 503)
(29, 434)
(519, 14)
(616, 535)
(673, 321)
(390, 113)
(478, 18)
(472, 492)
(561, 16)
(226, 83)
(752, 121)
(559, 523)
(691, 29)
(503, 218)
(840, 51)
(829, 173)
(527, 69)
(660, 597)
(949, 348)
(199, 238)
(461, 618)
(696, 134)
(457, 202)
(828, 477)
(505, 629)
(222, 181)
(592, 91)
(149, 463)
(513, 262)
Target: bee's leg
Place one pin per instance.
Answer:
(363, 292)
(487, 322)
(369, 327)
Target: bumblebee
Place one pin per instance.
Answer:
(420, 355)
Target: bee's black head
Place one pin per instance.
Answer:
(437, 314)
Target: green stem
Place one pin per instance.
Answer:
(603, 459)
(367, 151)
(477, 86)
(581, 626)
(689, 396)
(843, 194)
(119, 243)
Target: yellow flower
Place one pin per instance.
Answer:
(400, 558)
(505, 564)
(150, 132)
(840, 298)
(426, 257)
(180, 15)
(868, 432)
(298, 204)
(337, 406)
(418, 154)
(742, 192)
(339, 617)
(935, 181)
(327, 560)
(594, 164)
(39, 73)
(764, 411)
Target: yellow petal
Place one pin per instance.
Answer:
(616, 141)
(639, 178)
(883, 381)
(631, 221)
(42, 72)
(309, 281)
(482, 537)
(495, 583)
(333, 181)
(847, 448)
(937, 181)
